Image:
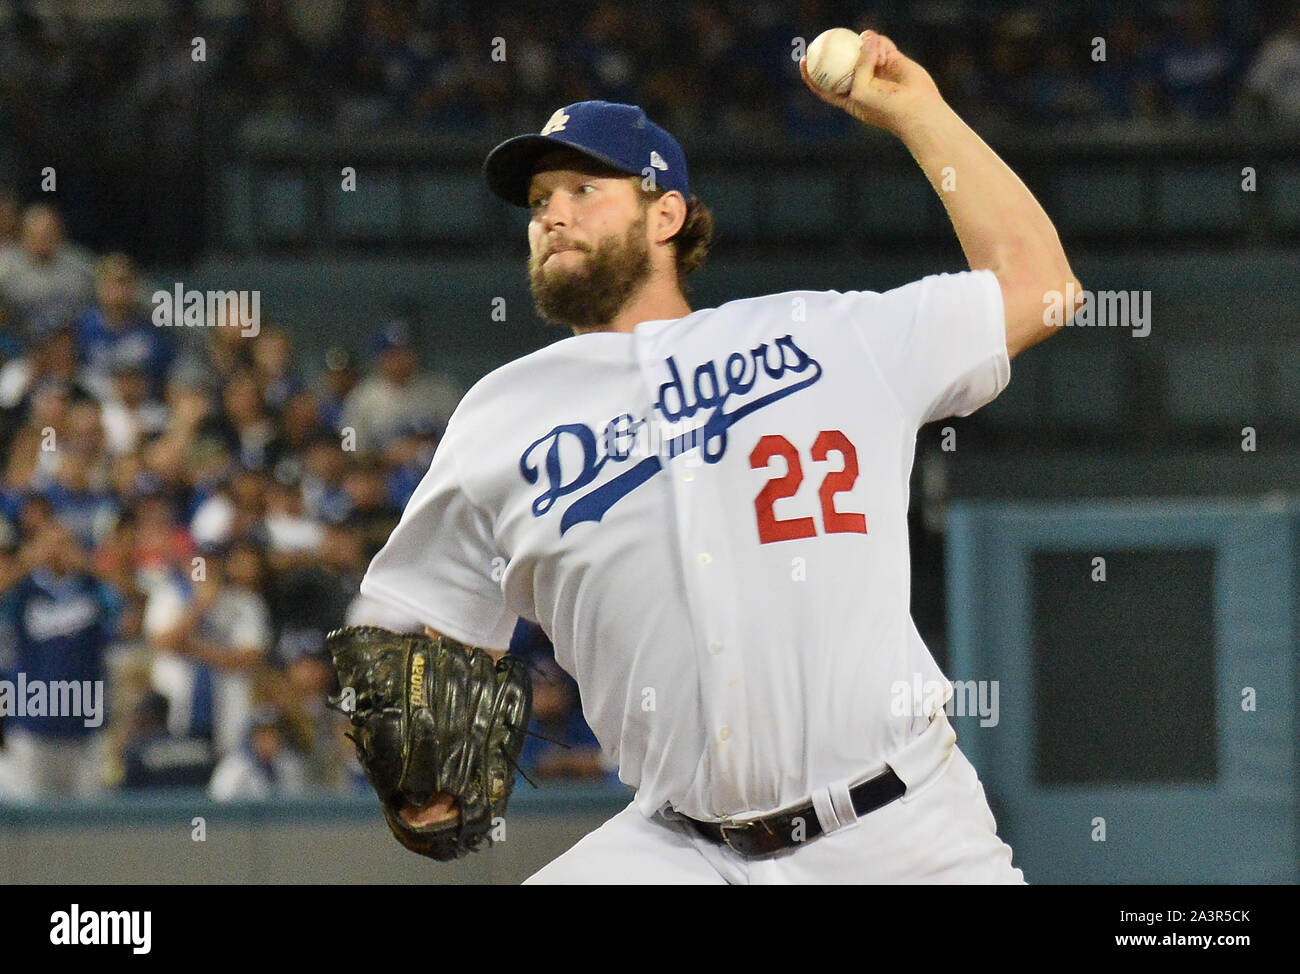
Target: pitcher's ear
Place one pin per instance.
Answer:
(669, 210)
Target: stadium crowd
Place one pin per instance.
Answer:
(134, 107)
(184, 516)
(433, 64)
(186, 512)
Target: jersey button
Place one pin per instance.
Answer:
(688, 476)
(704, 558)
(715, 647)
(724, 734)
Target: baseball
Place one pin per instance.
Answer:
(832, 56)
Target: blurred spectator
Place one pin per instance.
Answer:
(209, 356)
(34, 391)
(396, 396)
(561, 744)
(408, 456)
(188, 449)
(392, 61)
(76, 480)
(292, 536)
(1015, 39)
(1126, 79)
(1063, 90)
(373, 512)
(310, 599)
(10, 218)
(155, 758)
(263, 766)
(209, 636)
(35, 514)
(273, 367)
(1273, 79)
(339, 379)
(250, 425)
(147, 544)
(236, 508)
(313, 728)
(116, 331)
(131, 413)
(298, 425)
(56, 623)
(961, 80)
(1199, 64)
(603, 50)
(268, 67)
(43, 270)
(11, 564)
(322, 483)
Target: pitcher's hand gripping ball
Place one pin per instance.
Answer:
(832, 58)
(434, 717)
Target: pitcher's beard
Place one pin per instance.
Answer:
(590, 297)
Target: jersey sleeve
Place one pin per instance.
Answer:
(438, 564)
(940, 343)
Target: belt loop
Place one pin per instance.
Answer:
(834, 806)
(842, 802)
(824, 806)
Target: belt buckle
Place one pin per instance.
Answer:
(760, 838)
(727, 828)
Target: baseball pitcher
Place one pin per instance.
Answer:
(706, 511)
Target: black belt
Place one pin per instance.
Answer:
(760, 837)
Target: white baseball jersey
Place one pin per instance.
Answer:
(735, 609)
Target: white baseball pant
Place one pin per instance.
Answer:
(44, 766)
(940, 831)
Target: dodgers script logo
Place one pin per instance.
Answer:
(769, 372)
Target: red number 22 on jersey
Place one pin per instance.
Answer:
(770, 527)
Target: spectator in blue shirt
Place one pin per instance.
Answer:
(116, 330)
(56, 622)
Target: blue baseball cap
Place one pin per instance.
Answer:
(620, 136)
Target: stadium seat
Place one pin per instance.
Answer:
(807, 206)
(732, 200)
(1285, 361)
(451, 206)
(1019, 406)
(373, 211)
(893, 204)
(236, 207)
(1212, 383)
(1084, 373)
(281, 204)
(1207, 198)
(1284, 202)
(1104, 199)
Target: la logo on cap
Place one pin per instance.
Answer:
(556, 122)
(657, 161)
